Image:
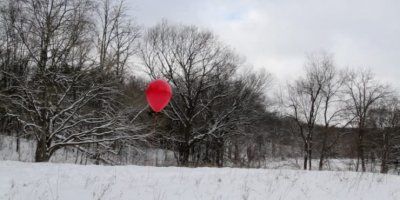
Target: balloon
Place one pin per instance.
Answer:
(158, 94)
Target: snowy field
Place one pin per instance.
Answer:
(52, 181)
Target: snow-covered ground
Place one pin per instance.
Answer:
(23, 181)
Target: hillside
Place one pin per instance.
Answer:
(66, 181)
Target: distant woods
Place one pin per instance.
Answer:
(334, 104)
(72, 78)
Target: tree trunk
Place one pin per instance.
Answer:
(236, 154)
(184, 151)
(18, 146)
(41, 154)
(206, 158)
(321, 161)
(309, 152)
(17, 149)
(385, 153)
(273, 150)
(305, 155)
(184, 147)
(230, 152)
(220, 152)
(361, 149)
(77, 156)
(323, 151)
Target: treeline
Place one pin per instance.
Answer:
(71, 77)
(334, 103)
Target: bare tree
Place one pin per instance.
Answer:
(117, 37)
(363, 91)
(305, 98)
(235, 115)
(58, 101)
(206, 92)
(384, 118)
(69, 119)
(189, 58)
(332, 105)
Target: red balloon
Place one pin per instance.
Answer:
(158, 94)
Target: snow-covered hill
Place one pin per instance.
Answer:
(66, 181)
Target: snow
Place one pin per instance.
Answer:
(8, 145)
(22, 181)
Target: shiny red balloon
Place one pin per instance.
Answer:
(158, 94)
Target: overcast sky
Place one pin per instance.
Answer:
(277, 34)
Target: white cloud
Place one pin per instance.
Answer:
(276, 34)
